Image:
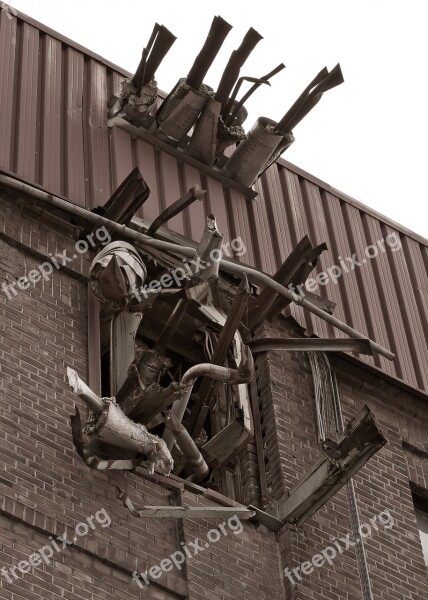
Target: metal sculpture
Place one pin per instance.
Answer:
(139, 94)
(116, 434)
(202, 122)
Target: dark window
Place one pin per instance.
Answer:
(422, 521)
(420, 500)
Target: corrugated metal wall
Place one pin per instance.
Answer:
(53, 131)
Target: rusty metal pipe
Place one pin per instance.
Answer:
(163, 42)
(113, 427)
(195, 193)
(303, 96)
(137, 80)
(220, 352)
(331, 80)
(79, 387)
(188, 380)
(206, 370)
(172, 325)
(188, 252)
(216, 36)
(264, 279)
(262, 80)
(153, 54)
(236, 62)
(184, 441)
(139, 73)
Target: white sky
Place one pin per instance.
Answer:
(367, 137)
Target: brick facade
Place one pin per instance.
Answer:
(47, 490)
(395, 559)
(45, 487)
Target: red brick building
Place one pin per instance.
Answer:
(56, 143)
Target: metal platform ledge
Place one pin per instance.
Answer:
(136, 132)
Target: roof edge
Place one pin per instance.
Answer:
(356, 203)
(62, 38)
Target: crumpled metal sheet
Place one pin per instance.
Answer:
(144, 404)
(137, 107)
(123, 330)
(203, 143)
(132, 268)
(228, 135)
(109, 434)
(91, 460)
(179, 112)
(249, 157)
(113, 429)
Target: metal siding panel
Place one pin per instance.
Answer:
(404, 286)
(8, 49)
(122, 147)
(292, 193)
(74, 161)
(115, 83)
(376, 299)
(26, 149)
(277, 215)
(51, 159)
(145, 158)
(260, 226)
(329, 258)
(96, 135)
(195, 215)
(415, 263)
(367, 288)
(317, 231)
(344, 245)
(239, 214)
(170, 185)
(121, 154)
(388, 302)
(217, 206)
(295, 227)
(314, 212)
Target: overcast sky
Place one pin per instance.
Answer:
(367, 138)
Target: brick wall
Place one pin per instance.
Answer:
(395, 559)
(46, 490)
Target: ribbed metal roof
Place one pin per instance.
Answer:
(53, 132)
